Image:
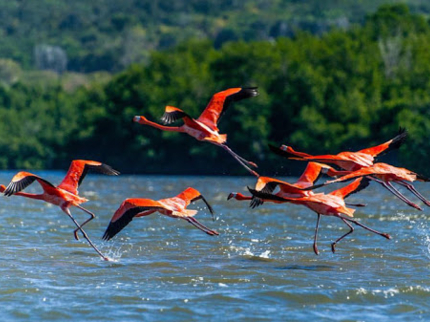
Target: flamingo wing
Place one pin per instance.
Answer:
(375, 169)
(267, 196)
(221, 101)
(311, 174)
(172, 114)
(79, 169)
(22, 180)
(354, 187)
(190, 195)
(268, 185)
(289, 153)
(388, 146)
(129, 209)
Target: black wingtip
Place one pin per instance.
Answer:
(399, 139)
(108, 170)
(256, 202)
(106, 236)
(275, 149)
(212, 212)
(170, 117)
(250, 91)
(422, 178)
(402, 131)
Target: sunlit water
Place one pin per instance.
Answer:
(260, 268)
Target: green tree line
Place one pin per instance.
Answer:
(109, 35)
(342, 90)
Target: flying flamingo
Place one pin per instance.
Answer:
(384, 174)
(349, 161)
(332, 204)
(65, 194)
(174, 207)
(205, 127)
(293, 190)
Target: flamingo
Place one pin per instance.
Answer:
(65, 194)
(384, 174)
(205, 128)
(349, 161)
(174, 207)
(332, 204)
(293, 190)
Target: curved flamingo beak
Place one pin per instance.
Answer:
(136, 119)
(232, 195)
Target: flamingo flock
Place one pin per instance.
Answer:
(360, 166)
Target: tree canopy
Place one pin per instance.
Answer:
(344, 89)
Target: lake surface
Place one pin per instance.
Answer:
(261, 267)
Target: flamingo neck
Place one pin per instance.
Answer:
(163, 127)
(239, 196)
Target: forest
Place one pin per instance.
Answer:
(344, 88)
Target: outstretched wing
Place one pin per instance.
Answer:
(267, 196)
(172, 114)
(337, 159)
(190, 195)
(79, 169)
(353, 187)
(221, 101)
(265, 184)
(129, 209)
(375, 169)
(22, 180)
(268, 185)
(311, 174)
(388, 146)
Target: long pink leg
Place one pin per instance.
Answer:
(241, 160)
(333, 245)
(316, 234)
(365, 227)
(92, 216)
(397, 193)
(200, 226)
(211, 231)
(67, 211)
(412, 189)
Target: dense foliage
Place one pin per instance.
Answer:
(342, 90)
(108, 35)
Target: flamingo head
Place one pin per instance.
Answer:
(139, 119)
(284, 147)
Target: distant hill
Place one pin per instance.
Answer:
(108, 35)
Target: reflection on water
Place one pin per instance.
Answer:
(261, 267)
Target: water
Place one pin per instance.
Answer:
(260, 268)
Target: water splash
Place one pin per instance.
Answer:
(422, 230)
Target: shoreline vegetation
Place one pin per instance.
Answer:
(343, 89)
